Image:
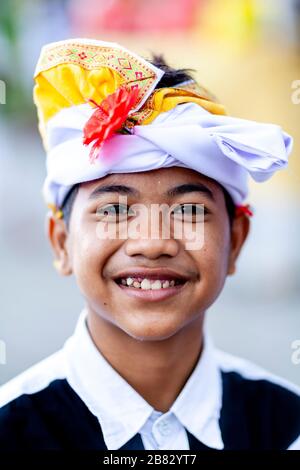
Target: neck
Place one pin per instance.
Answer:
(157, 370)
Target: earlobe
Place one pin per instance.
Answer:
(58, 237)
(231, 270)
(239, 233)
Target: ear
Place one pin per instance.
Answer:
(58, 236)
(239, 232)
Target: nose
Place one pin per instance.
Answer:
(153, 240)
(152, 248)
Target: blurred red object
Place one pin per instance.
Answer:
(94, 16)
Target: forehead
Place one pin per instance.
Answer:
(159, 180)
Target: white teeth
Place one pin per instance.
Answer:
(156, 285)
(146, 284)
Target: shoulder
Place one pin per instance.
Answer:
(34, 379)
(247, 371)
(21, 400)
(269, 404)
(40, 410)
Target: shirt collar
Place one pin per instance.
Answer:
(199, 403)
(122, 412)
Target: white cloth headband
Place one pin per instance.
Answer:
(224, 148)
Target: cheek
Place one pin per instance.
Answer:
(90, 255)
(213, 257)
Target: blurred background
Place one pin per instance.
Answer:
(247, 53)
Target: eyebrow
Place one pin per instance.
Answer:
(176, 191)
(114, 188)
(190, 188)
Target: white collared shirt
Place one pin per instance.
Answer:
(122, 412)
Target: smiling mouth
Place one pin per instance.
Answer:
(150, 290)
(149, 283)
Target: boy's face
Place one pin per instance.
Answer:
(102, 265)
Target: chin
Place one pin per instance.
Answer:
(151, 330)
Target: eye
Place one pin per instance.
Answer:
(114, 212)
(189, 212)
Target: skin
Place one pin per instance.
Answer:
(165, 337)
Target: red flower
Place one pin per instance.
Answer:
(243, 210)
(108, 118)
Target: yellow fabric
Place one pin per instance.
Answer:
(165, 99)
(68, 85)
(72, 72)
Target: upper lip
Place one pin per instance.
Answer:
(151, 273)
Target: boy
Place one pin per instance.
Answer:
(124, 136)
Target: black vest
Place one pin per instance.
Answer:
(255, 415)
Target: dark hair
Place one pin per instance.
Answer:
(68, 203)
(171, 78)
(230, 206)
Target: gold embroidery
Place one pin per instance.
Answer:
(91, 57)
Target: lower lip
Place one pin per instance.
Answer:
(152, 295)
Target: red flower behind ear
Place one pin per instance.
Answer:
(108, 118)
